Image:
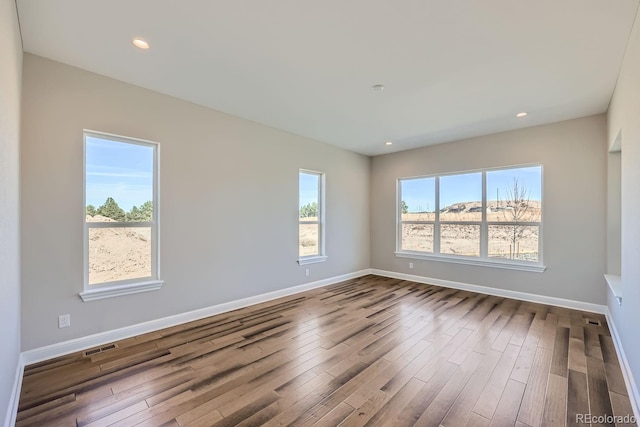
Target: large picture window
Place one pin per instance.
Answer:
(121, 215)
(311, 217)
(490, 217)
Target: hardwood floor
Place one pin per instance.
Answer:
(368, 351)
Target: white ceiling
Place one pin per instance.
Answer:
(451, 69)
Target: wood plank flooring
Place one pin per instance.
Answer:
(370, 351)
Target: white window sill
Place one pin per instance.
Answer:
(312, 260)
(615, 284)
(119, 290)
(510, 265)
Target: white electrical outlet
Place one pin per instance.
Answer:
(410, 265)
(306, 271)
(64, 321)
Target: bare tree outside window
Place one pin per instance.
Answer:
(518, 209)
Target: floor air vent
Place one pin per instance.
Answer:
(592, 322)
(98, 350)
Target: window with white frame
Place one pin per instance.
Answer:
(311, 217)
(488, 217)
(121, 215)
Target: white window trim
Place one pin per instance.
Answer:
(312, 259)
(483, 260)
(119, 290)
(321, 255)
(461, 259)
(130, 286)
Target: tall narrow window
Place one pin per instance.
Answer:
(121, 216)
(311, 217)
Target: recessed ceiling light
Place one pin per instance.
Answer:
(140, 43)
(388, 143)
(378, 88)
(520, 115)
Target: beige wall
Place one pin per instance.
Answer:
(10, 77)
(624, 115)
(573, 155)
(229, 196)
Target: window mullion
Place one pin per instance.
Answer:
(114, 224)
(484, 229)
(399, 221)
(436, 225)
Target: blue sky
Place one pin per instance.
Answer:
(119, 170)
(460, 188)
(529, 177)
(308, 188)
(419, 194)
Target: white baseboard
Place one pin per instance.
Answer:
(523, 296)
(632, 388)
(82, 343)
(14, 400)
